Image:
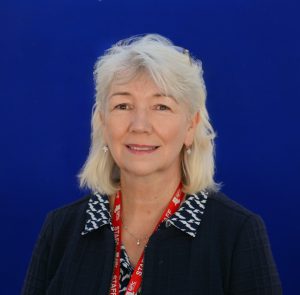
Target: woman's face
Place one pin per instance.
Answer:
(144, 129)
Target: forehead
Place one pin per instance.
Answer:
(142, 82)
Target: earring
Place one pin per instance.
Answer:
(105, 149)
(188, 151)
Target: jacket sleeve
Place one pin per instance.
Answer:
(35, 282)
(253, 268)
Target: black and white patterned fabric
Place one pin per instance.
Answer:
(187, 219)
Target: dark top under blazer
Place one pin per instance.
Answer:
(230, 255)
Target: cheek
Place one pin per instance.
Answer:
(113, 132)
(174, 133)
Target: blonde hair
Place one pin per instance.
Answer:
(177, 74)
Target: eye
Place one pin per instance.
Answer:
(122, 106)
(162, 107)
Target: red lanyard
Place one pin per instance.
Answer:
(136, 277)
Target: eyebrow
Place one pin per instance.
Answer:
(119, 93)
(165, 95)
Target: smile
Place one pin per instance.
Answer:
(141, 149)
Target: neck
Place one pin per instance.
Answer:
(146, 198)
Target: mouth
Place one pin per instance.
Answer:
(141, 149)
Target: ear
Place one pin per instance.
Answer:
(101, 117)
(192, 126)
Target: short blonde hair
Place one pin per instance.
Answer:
(177, 74)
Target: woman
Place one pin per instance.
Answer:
(155, 222)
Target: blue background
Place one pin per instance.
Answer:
(251, 57)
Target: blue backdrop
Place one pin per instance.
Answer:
(251, 57)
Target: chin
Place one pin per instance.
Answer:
(140, 170)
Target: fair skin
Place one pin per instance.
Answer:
(145, 131)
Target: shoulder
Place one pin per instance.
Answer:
(220, 203)
(68, 218)
(72, 208)
(229, 227)
(227, 217)
(75, 205)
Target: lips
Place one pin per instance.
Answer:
(141, 147)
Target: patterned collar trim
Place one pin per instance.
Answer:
(97, 213)
(189, 215)
(186, 219)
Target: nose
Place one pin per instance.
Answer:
(140, 121)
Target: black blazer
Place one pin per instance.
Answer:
(230, 255)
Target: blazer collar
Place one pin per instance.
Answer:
(187, 218)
